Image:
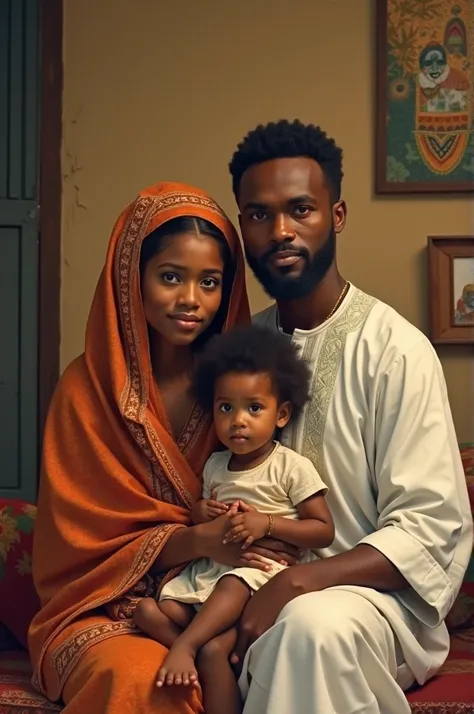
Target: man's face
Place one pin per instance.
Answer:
(289, 225)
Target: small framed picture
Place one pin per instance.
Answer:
(451, 289)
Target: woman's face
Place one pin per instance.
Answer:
(182, 287)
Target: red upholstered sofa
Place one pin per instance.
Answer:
(451, 692)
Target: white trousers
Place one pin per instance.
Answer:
(330, 652)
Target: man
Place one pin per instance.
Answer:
(347, 633)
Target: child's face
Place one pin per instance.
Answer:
(246, 411)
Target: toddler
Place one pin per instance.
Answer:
(254, 382)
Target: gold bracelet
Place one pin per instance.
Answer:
(271, 525)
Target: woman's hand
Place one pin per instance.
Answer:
(210, 537)
(207, 509)
(210, 544)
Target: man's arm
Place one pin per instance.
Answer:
(423, 523)
(363, 565)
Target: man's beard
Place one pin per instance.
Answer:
(287, 287)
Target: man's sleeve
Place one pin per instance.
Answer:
(422, 495)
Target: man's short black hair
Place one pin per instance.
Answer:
(252, 349)
(285, 139)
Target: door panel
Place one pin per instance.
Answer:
(19, 78)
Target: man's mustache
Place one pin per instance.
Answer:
(281, 248)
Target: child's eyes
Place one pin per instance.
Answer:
(253, 408)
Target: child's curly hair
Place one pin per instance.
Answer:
(254, 350)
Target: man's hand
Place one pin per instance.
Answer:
(207, 510)
(247, 527)
(265, 605)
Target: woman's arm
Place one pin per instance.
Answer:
(206, 541)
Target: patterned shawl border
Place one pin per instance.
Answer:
(151, 547)
(67, 655)
(134, 398)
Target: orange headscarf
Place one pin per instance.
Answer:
(115, 484)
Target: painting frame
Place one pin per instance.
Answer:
(443, 252)
(402, 187)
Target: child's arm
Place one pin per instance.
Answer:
(314, 530)
(306, 491)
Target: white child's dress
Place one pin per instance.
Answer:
(276, 486)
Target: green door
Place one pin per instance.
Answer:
(19, 78)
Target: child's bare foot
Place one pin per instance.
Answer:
(179, 667)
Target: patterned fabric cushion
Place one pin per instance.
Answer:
(462, 612)
(18, 599)
(17, 696)
(452, 691)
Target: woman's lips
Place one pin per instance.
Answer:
(186, 322)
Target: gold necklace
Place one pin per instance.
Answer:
(338, 301)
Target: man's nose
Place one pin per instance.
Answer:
(282, 229)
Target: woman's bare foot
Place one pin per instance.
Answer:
(179, 667)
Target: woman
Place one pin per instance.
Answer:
(123, 451)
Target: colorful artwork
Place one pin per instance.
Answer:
(463, 291)
(425, 96)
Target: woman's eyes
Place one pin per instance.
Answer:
(210, 283)
(170, 278)
(207, 283)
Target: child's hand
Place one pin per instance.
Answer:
(242, 506)
(207, 510)
(247, 527)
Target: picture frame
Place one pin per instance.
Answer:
(451, 289)
(424, 97)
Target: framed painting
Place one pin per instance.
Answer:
(425, 96)
(451, 289)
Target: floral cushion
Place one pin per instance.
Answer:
(462, 612)
(18, 599)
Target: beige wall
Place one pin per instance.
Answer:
(157, 90)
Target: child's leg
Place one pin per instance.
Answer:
(164, 621)
(216, 676)
(220, 611)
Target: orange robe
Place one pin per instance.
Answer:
(115, 485)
